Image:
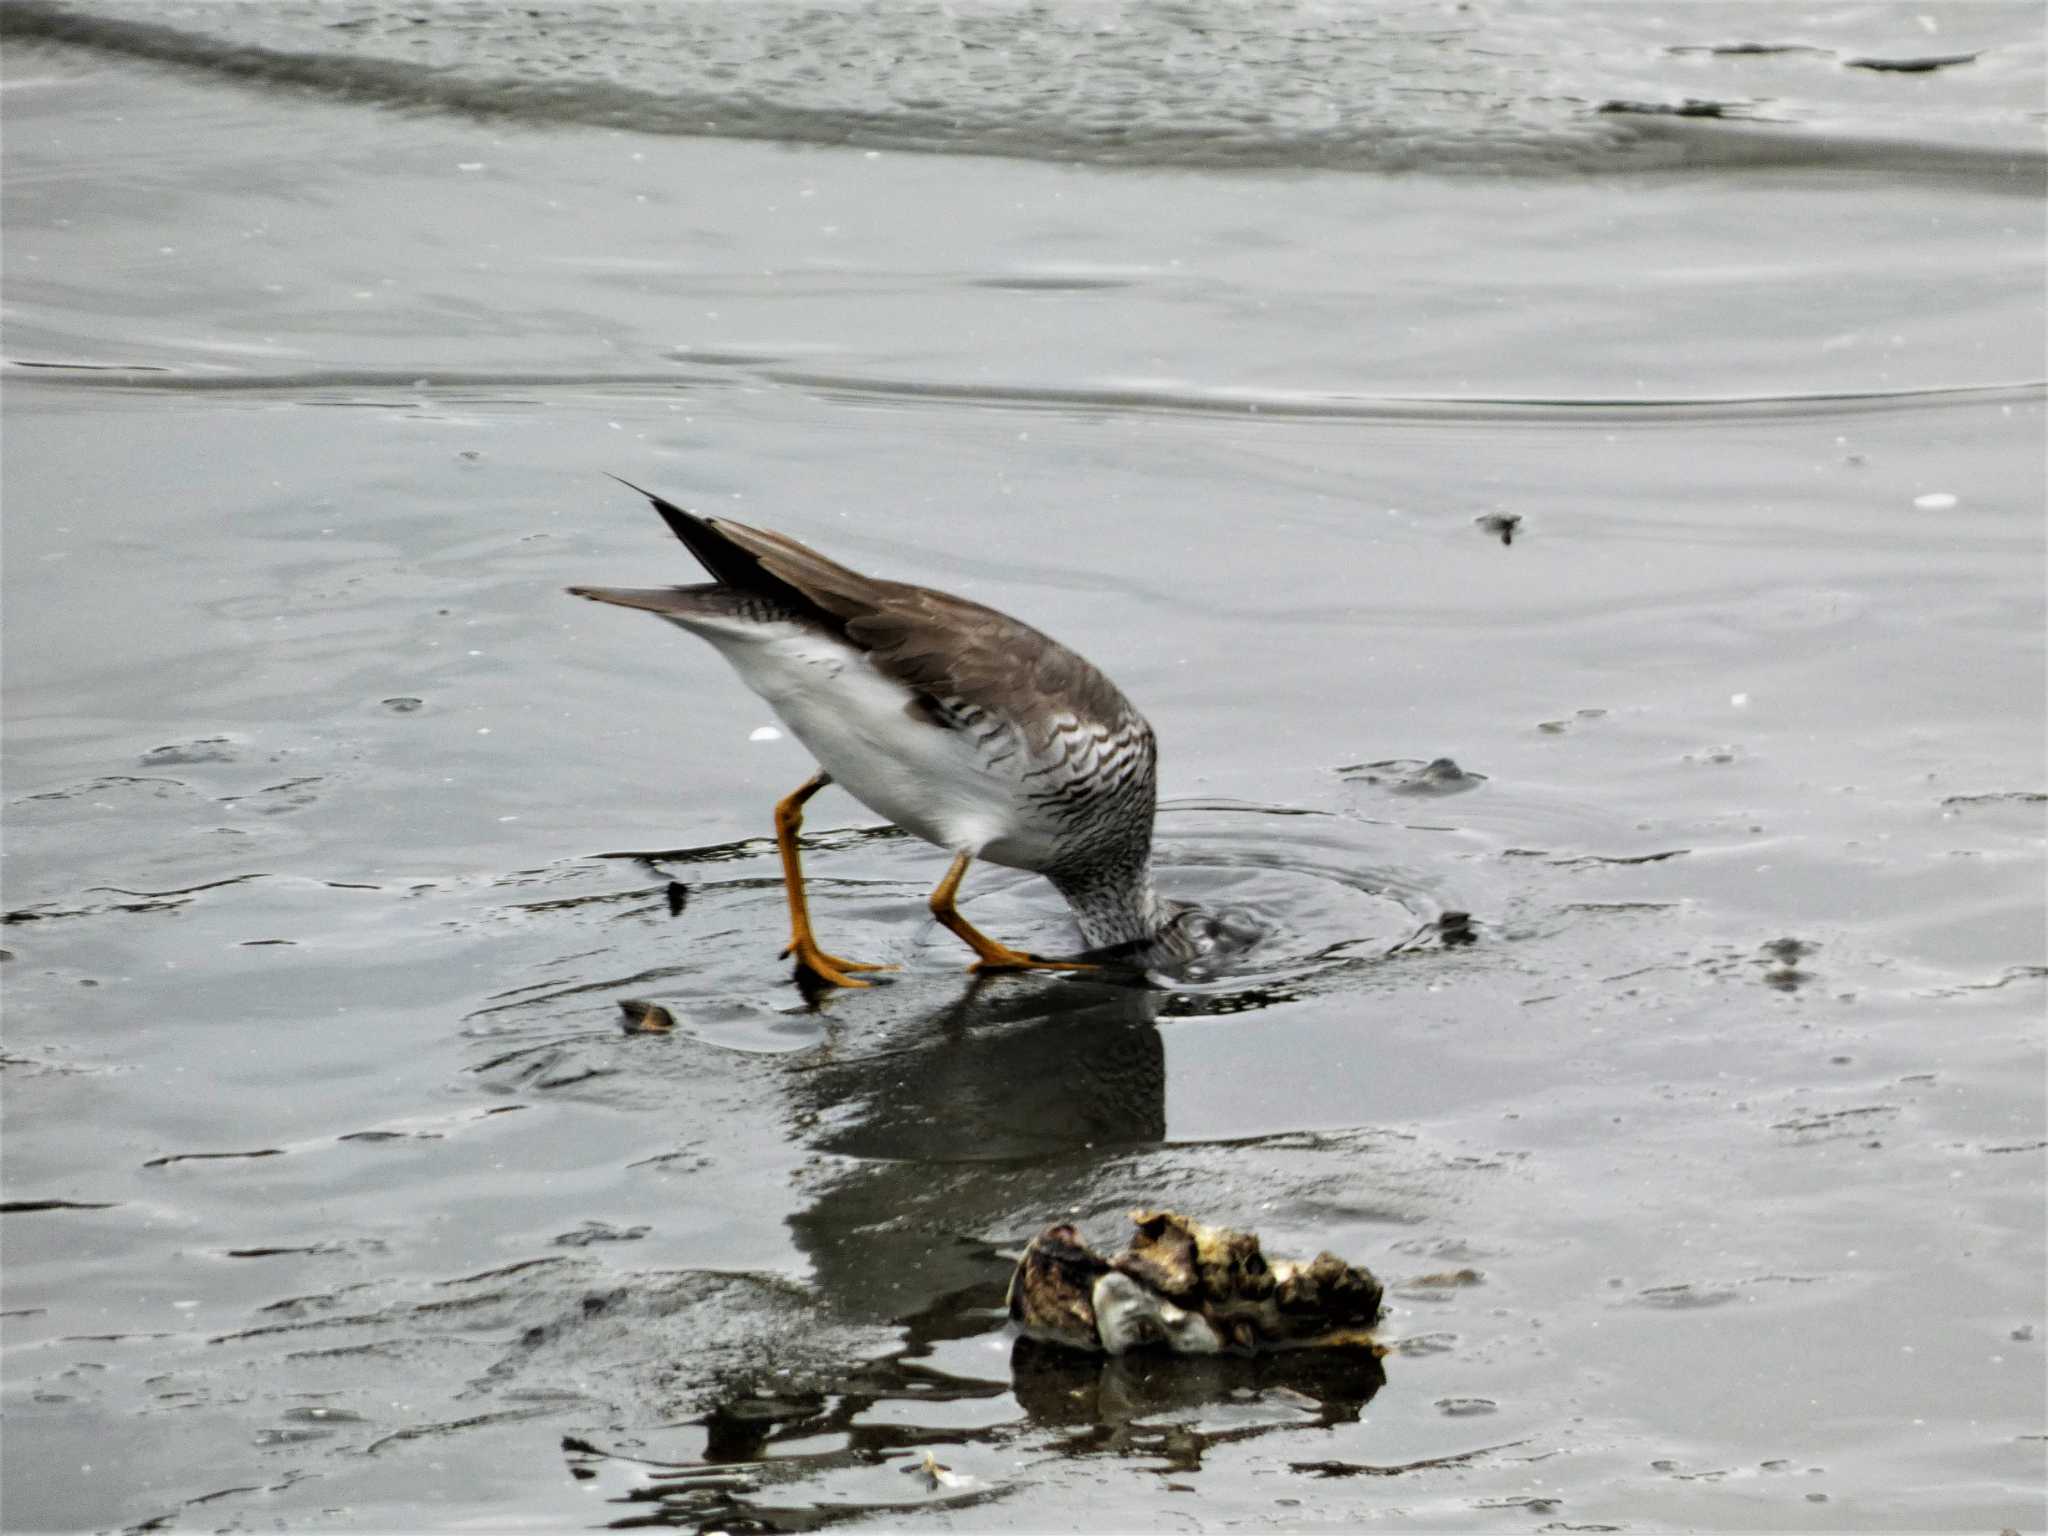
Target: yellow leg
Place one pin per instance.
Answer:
(789, 820)
(994, 956)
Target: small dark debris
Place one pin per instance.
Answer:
(26, 1207)
(268, 943)
(1500, 524)
(644, 1018)
(678, 898)
(1925, 64)
(404, 704)
(1449, 930)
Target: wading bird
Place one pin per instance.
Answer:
(949, 719)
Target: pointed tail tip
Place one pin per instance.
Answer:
(619, 596)
(649, 599)
(681, 522)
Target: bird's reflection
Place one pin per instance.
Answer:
(943, 1129)
(976, 1122)
(1015, 1067)
(946, 1128)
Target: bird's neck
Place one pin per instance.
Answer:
(1114, 906)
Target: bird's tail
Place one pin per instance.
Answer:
(709, 609)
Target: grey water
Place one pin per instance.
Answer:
(1641, 408)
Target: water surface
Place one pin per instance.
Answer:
(336, 1193)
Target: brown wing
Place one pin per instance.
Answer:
(949, 649)
(945, 646)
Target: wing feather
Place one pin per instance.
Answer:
(951, 649)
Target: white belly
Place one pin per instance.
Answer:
(865, 730)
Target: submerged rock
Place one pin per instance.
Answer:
(1196, 1289)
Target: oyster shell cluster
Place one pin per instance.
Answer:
(1197, 1290)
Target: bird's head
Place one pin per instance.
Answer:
(1194, 941)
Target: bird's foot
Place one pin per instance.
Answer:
(1017, 960)
(830, 968)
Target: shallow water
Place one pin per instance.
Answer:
(335, 833)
